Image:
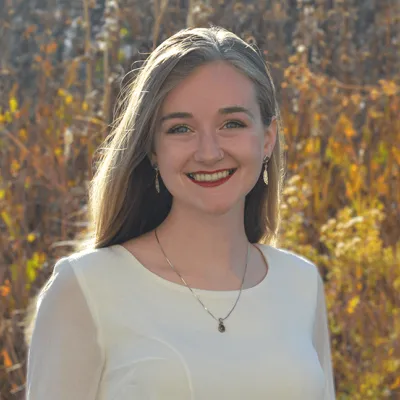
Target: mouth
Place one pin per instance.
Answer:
(214, 177)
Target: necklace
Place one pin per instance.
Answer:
(221, 326)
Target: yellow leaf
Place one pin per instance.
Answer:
(2, 194)
(23, 134)
(8, 117)
(31, 270)
(13, 103)
(352, 304)
(6, 218)
(123, 32)
(33, 265)
(31, 237)
(68, 99)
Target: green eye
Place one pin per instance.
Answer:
(179, 129)
(234, 124)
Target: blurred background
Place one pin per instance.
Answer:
(336, 66)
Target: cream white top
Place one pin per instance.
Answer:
(107, 328)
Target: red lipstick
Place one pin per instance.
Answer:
(213, 183)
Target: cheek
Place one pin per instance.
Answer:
(172, 161)
(250, 147)
(172, 157)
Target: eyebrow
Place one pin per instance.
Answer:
(223, 111)
(236, 109)
(176, 115)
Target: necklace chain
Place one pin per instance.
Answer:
(221, 326)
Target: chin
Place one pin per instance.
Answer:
(218, 209)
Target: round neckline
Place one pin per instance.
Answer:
(126, 254)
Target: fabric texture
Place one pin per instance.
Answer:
(107, 328)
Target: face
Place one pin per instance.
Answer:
(211, 122)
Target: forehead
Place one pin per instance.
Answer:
(211, 87)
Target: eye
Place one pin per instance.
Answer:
(234, 124)
(179, 129)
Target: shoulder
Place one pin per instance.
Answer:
(63, 285)
(287, 257)
(89, 259)
(297, 276)
(90, 267)
(290, 264)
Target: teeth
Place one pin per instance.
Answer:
(210, 177)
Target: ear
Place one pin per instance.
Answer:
(153, 160)
(152, 157)
(270, 133)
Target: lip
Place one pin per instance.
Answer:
(211, 172)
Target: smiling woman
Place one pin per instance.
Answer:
(180, 293)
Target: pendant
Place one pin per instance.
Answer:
(265, 176)
(221, 326)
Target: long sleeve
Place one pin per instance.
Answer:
(65, 358)
(321, 340)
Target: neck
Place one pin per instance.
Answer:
(205, 245)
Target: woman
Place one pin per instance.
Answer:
(177, 298)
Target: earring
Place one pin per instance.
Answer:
(157, 182)
(265, 174)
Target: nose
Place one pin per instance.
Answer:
(208, 149)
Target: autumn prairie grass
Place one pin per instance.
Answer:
(339, 103)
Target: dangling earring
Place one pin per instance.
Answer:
(265, 174)
(157, 182)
